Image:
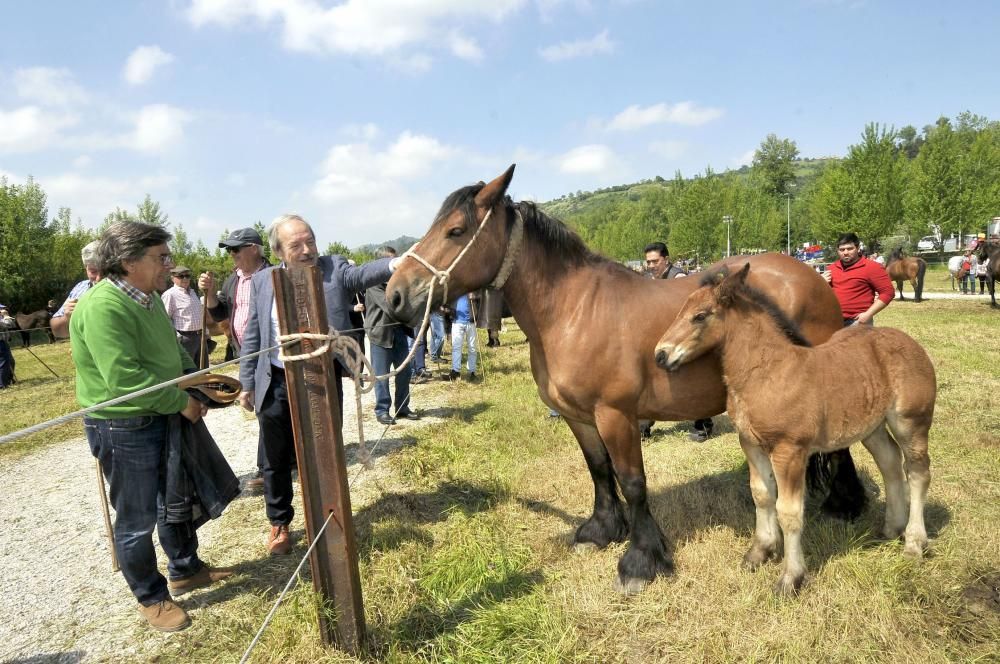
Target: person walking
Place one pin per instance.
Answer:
(263, 376)
(122, 341)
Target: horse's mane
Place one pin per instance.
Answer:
(747, 294)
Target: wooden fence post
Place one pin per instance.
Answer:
(319, 446)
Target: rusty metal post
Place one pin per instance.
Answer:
(319, 447)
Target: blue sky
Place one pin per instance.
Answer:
(362, 115)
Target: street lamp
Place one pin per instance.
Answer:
(788, 227)
(728, 221)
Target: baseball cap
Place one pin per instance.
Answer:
(241, 237)
(180, 269)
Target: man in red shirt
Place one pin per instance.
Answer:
(862, 286)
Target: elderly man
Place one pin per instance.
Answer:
(61, 318)
(183, 307)
(7, 322)
(232, 304)
(263, 377)
(122, 342)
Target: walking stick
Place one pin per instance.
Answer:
(203, 359)
(27, 348)
(107, 515)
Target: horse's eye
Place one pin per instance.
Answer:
(700, 317)
(456, 232)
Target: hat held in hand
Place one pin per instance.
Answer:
(213, 390)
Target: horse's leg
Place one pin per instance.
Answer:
(847, 497)
(647, 554)
(899, 285)
(767, 536)
(911, 435)
(890, 463)
(607, 524)
(789, 463)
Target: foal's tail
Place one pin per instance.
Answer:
(921, 269)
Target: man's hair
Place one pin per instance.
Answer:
(849, 238)
(658, 247)
(386, 252)
(272, 230)
(89, 253)
(127, 241)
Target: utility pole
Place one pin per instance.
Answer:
(788, 223)
(728, 221)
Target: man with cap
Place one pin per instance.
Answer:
(6, 357)
(184, 309)
(60, 319)
(232, 303)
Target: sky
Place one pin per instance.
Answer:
(363, 115)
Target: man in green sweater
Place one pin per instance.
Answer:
(123, 342)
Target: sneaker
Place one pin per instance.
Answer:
(165, 616)
(385, 418)
(203, 578)
(279, 541)
(453, 375)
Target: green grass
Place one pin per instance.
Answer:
(465, 556)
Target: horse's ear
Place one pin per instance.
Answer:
(495, 190)
(727, 289)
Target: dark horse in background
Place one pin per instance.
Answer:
(990, 250)
(38, 320)
(907, 268)
(591, 326)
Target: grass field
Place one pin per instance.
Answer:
(465, 555)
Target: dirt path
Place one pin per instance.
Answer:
(59, 599)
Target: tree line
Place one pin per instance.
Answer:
(893, 187)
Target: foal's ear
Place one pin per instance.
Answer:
(727, 289)
(495, 190)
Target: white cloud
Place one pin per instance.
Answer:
(746, 158)
(91, 198)
(597, 45)
(83, 161)
(48, 87)
(367, 132)
(364, 27)
(465, 48)
(415, 63)
(588, 159)
(143, 62)
(158, 127)
(354, 171)
(30, 128)
(683, 113)
(668, 149)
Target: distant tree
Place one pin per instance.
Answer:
(180, 244)
(773, 160)
(149, 212)
(908, 142)
(116, 216)
(26, 238)
(337, 248)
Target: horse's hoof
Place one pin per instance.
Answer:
(583, 548)
(914, 551)
(630, 586)
(757, 556)
(787, 587)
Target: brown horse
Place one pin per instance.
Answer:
(38, 320)
(907, 268)
(591, 326)
(788, 400)
(990, 251)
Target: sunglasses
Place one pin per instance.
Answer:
(186, 275)
(236, 250)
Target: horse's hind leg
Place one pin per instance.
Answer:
(647, 554)
(911, 435)
(890, 464)
(847, 497)
(767, 536)
(899, 285)
(607, 524)
(789, 464)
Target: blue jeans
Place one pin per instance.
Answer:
(132, 454)
(460, 334)
(418, 365)
(969, 283)
(384, 359)
(6, 364)
(437, 335)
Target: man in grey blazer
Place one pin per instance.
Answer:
(263, 377)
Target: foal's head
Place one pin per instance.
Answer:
(700, 324)
(456, 223)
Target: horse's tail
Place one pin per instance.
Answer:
(921, 269)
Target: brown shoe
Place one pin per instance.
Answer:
(165, 616)
(254, 484)
(279, 542)
(203, 578)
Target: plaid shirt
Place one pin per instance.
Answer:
(146, 301)
(183, 307)
(74, 294)
(241, 304)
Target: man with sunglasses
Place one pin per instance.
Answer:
(184, 309)
(232, 304)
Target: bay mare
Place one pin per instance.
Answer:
(907, 268)
(990, 250)
(591, 326)
(788, 400)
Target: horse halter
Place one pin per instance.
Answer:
(503, 273)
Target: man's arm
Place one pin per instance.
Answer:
(884, 290)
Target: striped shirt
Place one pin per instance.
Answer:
(74, 294)
(241, 304)
(183, 307)
(146, 301)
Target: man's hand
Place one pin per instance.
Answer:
(359, 307)
(246, 399)
(394, 263)
(206, 283)
(864, 318)
(69, 306)
(195, 410)
(827, 276)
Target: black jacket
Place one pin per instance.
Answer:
(199, 482)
